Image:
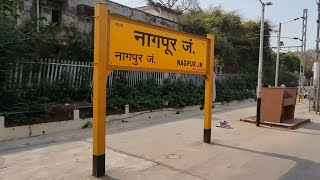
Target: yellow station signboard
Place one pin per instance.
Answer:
(121, 43)
(136, 45)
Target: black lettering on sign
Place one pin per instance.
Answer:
(190, 63)
(187, 46)
(131, 57)
(135, 58)
(147, 38)
(141, 35)
(150, 59)
(120, 55)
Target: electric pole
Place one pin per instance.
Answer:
(278, 57)
(318, 33)
(316, 79)
(303, 49)
(260, 66)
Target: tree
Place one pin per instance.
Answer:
(237, 44)
(236, 41)
(177, 5)
(288, 69)
(291, 61)
(310, 57)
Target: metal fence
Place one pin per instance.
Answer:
(73, 74)
(76, 74)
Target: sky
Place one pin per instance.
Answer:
(280, 11)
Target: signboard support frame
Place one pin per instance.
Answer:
(208, 91)
(100, 73)
(102, 70)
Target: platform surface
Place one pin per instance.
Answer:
(171, 148)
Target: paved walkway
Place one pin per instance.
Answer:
(172, 148)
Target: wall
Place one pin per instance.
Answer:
(40, 129)
(77, 123)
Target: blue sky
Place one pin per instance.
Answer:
(280, 11)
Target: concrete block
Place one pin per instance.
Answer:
(76, 114)
(127, 109)
(39, 129)
(1, 122)
(14, 133)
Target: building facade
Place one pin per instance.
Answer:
(77, 15)
(161, 11)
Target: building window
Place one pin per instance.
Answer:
(56, 17)
(85, 24)
(50, 16)
(47, 16)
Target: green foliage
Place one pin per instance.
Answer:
(237, 41)
(180, 94)
(148, 95)
(289, 69)
(237, 46)
(193, 22)
(308, 73)
(234, 88)
(290, 61)
(121, 93)
(30, 99)
(8, 8)
(24, 41)
(79, 48)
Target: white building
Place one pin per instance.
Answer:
(159, 10)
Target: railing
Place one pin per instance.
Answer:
(76, 74)
(73, 74)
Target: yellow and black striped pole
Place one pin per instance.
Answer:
(99, 88)
(208, 91)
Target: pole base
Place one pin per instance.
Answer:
(98, 165)
(258, 112)
(207, 136)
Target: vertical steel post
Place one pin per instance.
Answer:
(303, 49)
(317, 50)
(260, 73)
(38, 15)
(99, 88)
(278, 57)
(208, 91)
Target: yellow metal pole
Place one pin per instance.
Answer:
(208, 91)
(99, 88)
